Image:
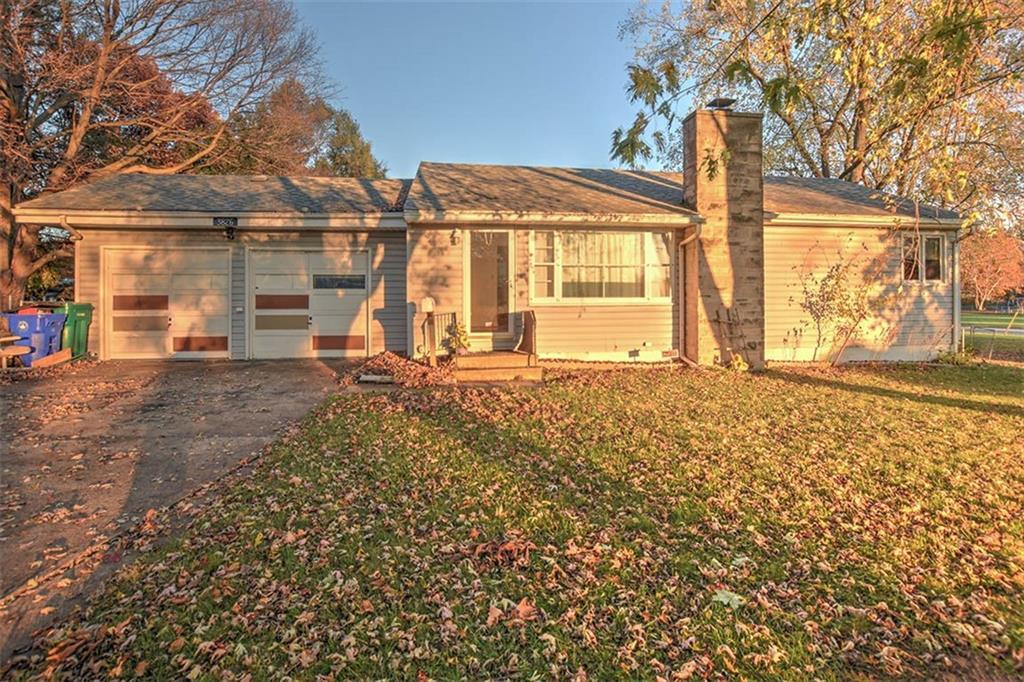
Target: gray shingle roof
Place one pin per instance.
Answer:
(472, 187)
(229, 194)
(828, 196)
(442, 187)
(529, 189)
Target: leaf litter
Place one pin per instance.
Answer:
(653, 523)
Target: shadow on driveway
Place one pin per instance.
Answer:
(84, 455)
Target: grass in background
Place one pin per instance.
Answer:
(996, 320)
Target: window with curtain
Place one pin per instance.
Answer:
(572, 265)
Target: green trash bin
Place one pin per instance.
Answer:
(76, 328)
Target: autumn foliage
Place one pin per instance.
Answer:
(991, 266)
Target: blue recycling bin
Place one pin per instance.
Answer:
(40, 332)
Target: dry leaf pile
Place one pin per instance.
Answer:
(661, 524)
(407, 373)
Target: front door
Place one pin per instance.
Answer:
(490, 279)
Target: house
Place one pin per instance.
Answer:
(708, 264)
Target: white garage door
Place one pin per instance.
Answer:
(309, 303)
(167, 302)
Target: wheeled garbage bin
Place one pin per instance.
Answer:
(76, 327)
(40, 332)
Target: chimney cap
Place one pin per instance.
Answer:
(721, 103)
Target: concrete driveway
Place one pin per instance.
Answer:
(86, 453)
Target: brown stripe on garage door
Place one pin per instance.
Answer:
(200, 343)
(282, 301)
(339, 342)
(148, 323)
(281, 322)
(140, 302)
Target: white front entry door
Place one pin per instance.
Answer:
(309, 303)
(166, 302)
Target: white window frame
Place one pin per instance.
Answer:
(649, 264)
(922, 238)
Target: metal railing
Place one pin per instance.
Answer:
(445, 325)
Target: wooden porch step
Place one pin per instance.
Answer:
(495, 360)
(499, 374)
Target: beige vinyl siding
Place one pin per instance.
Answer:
(914, 319)
(386, 299)
(434, 269)
(641, 330)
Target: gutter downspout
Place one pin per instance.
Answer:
(682, 299)
(958, 345)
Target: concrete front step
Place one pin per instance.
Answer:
(495, 360)
(499, 374)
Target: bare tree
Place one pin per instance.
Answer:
(90, 88)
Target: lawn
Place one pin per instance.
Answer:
(996, 320)
(637, 523)
(1006, 346)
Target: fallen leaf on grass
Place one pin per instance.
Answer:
(525, 610)
(494, 614)
(730, 599)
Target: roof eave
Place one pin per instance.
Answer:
(419, 217)
(859, 220)
(204, 219)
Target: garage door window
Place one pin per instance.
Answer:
(339, 281)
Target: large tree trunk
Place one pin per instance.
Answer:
(12, 287)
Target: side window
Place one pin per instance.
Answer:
(911, 257)
(544, 264)
(933, 258)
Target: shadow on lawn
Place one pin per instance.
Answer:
(597, 497)
(810, 380)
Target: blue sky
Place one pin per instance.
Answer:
(520, 83)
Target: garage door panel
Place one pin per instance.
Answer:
(138, 261)
(336, 305)
(200, 304)
(143, 345)
(328, 288)
(196, 343)
(280, 262)
(279, 282)
(337, 261)
(282, 322)
(203, 281)
(281, 347)
(199, 324)
(139, 302)
(168, 302)
(138, 283)
(139, 323)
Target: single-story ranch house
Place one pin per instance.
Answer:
(709, 264)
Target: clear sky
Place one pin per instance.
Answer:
(520, 83)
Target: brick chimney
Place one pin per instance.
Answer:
(723, 273)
